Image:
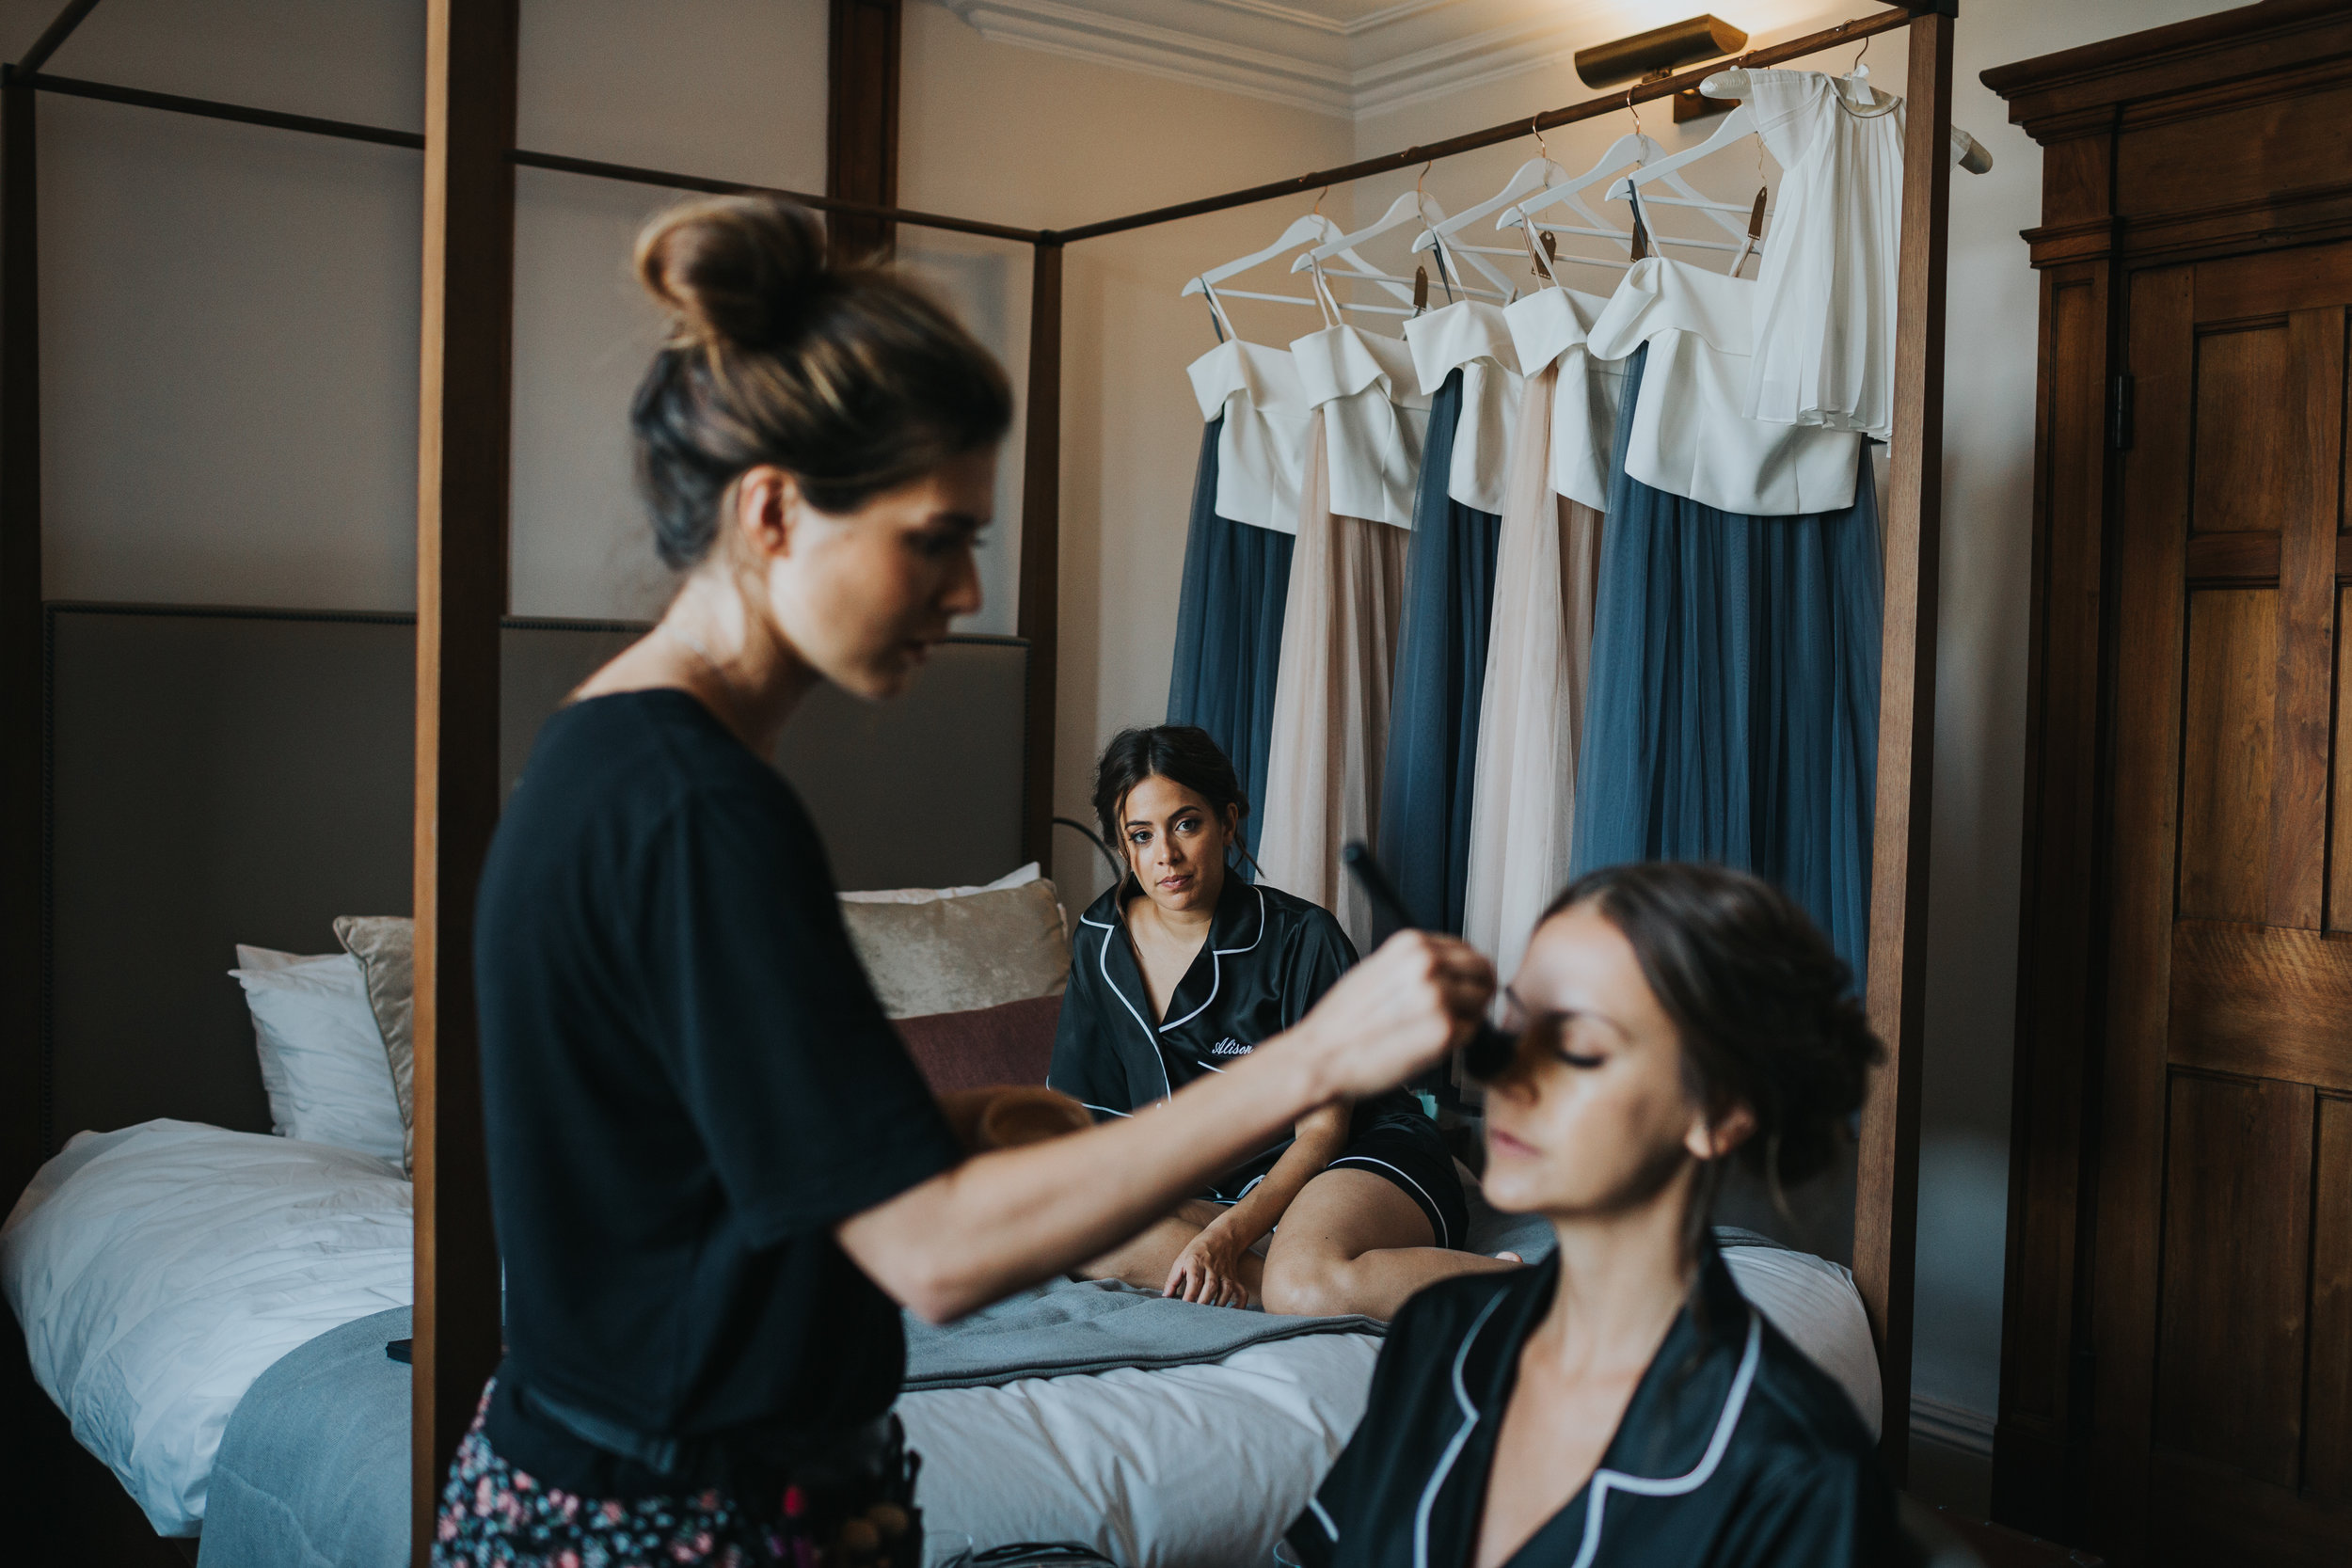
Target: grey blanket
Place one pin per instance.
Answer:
(1098, 1326)
(313, 1467)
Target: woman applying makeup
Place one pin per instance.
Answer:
(717, 1175)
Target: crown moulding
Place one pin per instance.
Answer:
(1345, 66)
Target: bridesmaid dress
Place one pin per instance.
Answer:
(1237, 561)
(1735, 677)
(1332, 689)
(1531, 707)
(1464, 358)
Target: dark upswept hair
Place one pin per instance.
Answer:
(1183, 754)
(846, 377)
(1763, 1005)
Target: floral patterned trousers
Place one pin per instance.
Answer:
(496, 1516)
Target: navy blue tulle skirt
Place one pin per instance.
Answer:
(1733, 714)
(1425, 820)
(1228, 632)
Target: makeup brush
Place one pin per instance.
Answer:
(1490, 1050)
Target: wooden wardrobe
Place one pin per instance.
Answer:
(2176, 1379)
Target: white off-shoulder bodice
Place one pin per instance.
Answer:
(1691, 436)
(1471, 335)
(1554, 325)
(1374, 416)
(1263, 448)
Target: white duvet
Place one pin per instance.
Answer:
(159, 1270)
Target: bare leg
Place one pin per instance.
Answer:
(1144, 1257)
(1352, 1242)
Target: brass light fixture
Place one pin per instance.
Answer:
(1659, 52)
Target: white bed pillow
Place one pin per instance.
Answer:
(322, 1056)
(1021, 878)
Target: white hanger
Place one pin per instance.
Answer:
(1312, 227)
(1631, 148)
(1414, 206)
(1536, 178)
(1968, 153)
(1531, 176)
(1737, 126)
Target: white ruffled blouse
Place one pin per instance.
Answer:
(1824, 342)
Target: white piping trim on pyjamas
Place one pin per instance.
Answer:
(1103, 963)
(1445, 1233)
(1323, 1519)
(1216, 970)
(1452, 1449)
(1604, 1481)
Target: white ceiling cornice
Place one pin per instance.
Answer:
(1352, 27)
(1345, 65)
(1088, 34)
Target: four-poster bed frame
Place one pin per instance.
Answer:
(462, 494)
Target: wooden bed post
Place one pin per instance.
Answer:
(862, 40)
(23, 818)
(1887, 1189)
(22, 743)
(1041, 546)
(32, 1439)
(462, 455)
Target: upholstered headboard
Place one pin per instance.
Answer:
(226, 776)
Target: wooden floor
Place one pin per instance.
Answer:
(1999, 1546)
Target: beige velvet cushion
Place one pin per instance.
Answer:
(384, 945)
(954, 955)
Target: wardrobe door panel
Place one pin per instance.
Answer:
(2226, 742)
(2240, 440)
(2328, 1459)
(2230, 1344)
(2310, 487)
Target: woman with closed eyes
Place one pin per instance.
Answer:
(1177, 974)
(1621, 1406)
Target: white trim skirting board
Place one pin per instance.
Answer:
(1954, 1426)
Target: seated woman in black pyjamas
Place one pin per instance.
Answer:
(1621, 1406)
(1179, 972)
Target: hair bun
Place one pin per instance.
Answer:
(733, 269)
